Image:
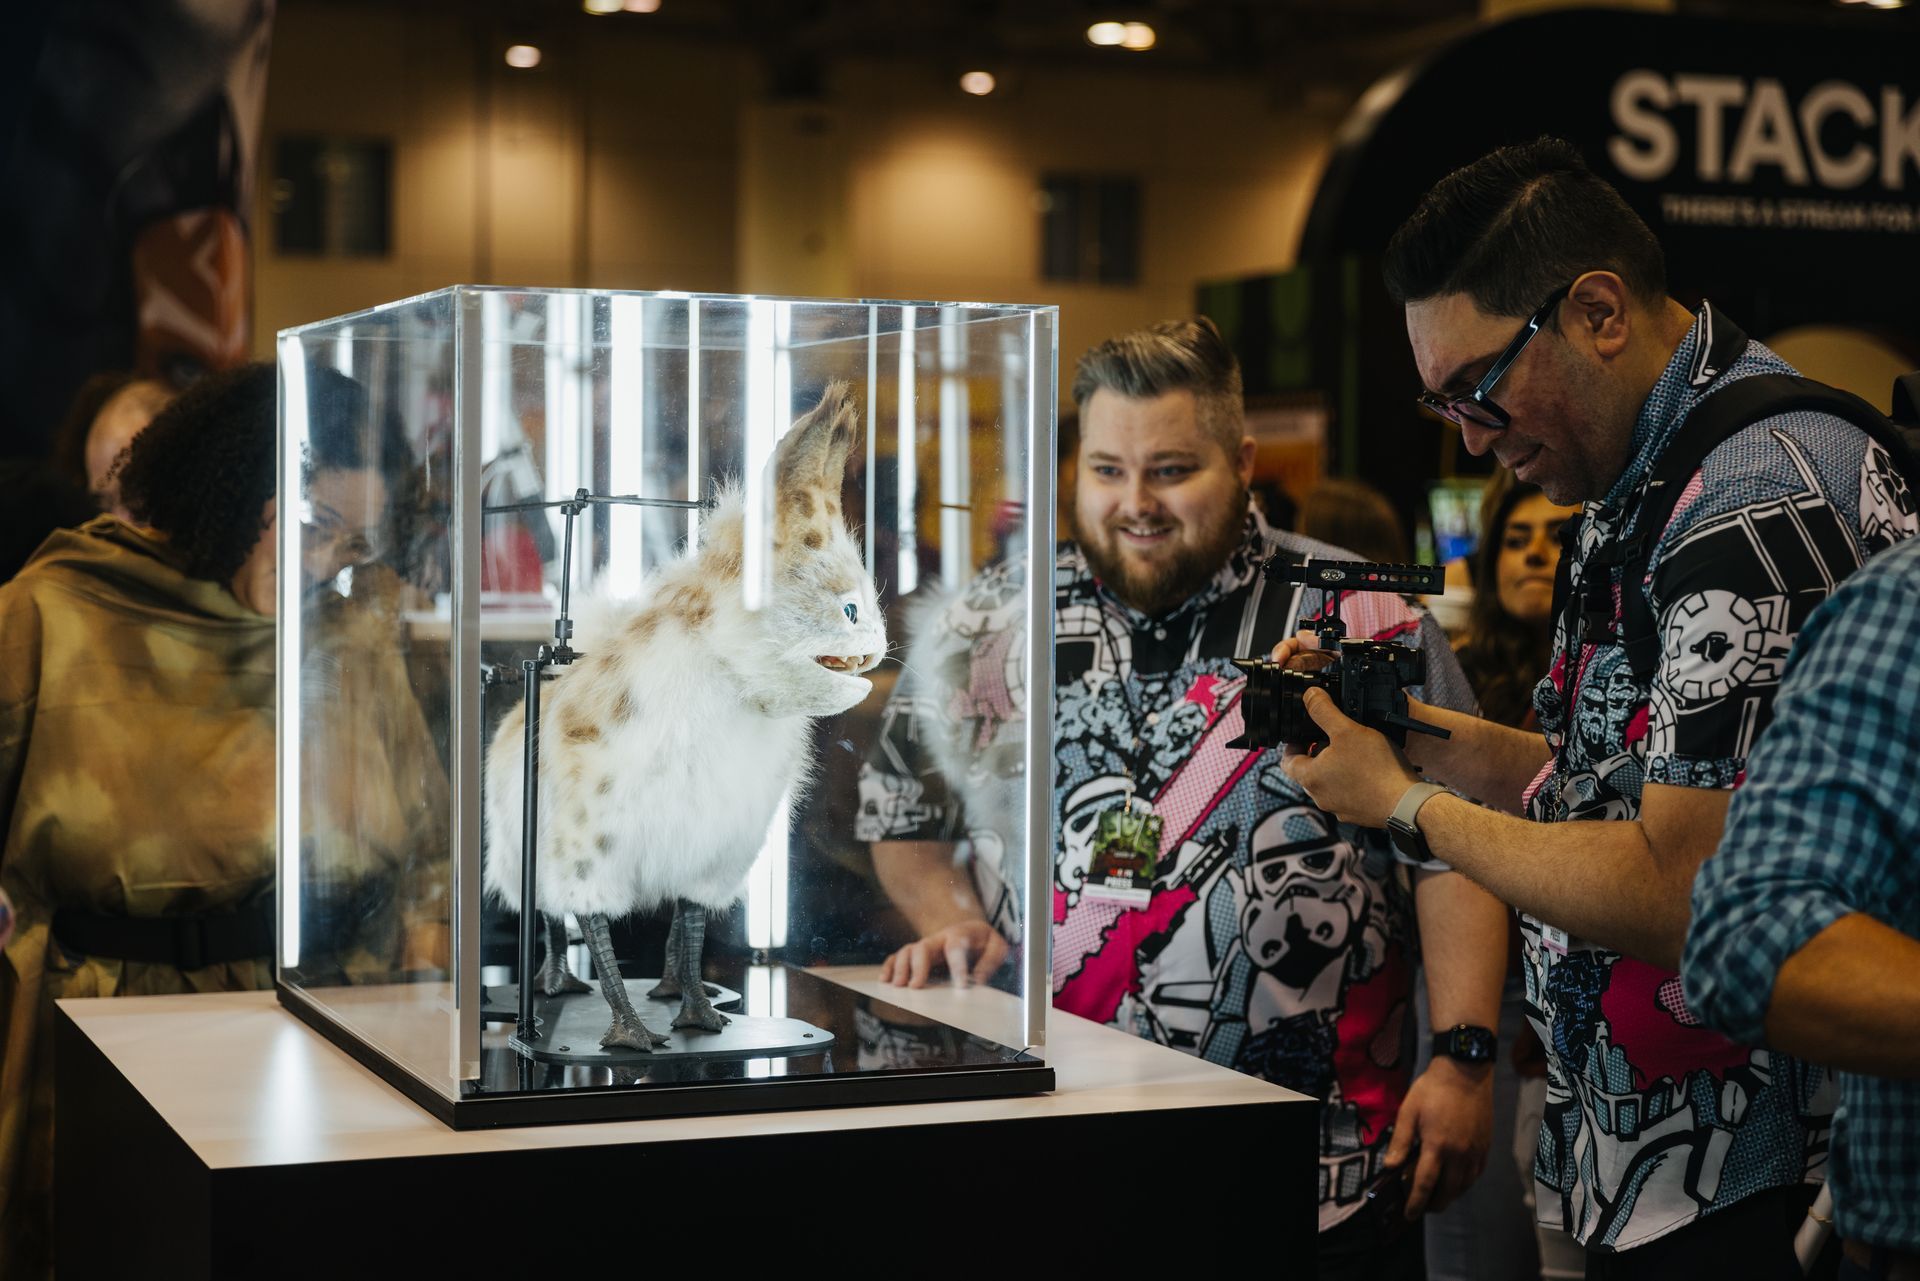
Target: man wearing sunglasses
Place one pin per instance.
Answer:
(1537, 310)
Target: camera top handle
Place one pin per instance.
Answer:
(1354, 576)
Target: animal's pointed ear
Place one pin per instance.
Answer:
(814, 453)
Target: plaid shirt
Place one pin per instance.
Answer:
(1828, 824)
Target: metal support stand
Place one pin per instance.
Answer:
(532, 671)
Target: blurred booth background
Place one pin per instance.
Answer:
(184, 180)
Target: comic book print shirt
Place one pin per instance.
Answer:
(1653, 1119)
(1274, 940)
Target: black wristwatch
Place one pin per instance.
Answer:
(1466, 1043)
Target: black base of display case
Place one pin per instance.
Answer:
(516, 1089)
(1004, 1192)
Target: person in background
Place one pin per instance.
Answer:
(108, 411)
(75, 483)
(137, 679)
(1505, 648)
(1343, 512)
(1490, 1233)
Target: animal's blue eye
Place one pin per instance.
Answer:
(852, 611)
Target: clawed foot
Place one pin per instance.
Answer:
(558, 981)
(631, 1033)
(701, 1015)
(668, 989)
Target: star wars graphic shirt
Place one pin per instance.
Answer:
(1651, 1118)
(1219, 912)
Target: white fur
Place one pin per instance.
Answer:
(673, 800)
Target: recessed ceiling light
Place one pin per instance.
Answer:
(600, 6)
(978, 83)
(1136, 36)
(523, 56)
(642, 6)
(1106, 33)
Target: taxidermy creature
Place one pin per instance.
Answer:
(666, 749)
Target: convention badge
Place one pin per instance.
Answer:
(1126, 850)
(1554, 940)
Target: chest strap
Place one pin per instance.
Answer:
(186, 942)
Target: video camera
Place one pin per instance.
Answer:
(1367, 679)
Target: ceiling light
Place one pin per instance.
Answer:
(600, 6)
(1106, 33)
(977, 83)
(642, 6)
(1136, 36)
(523, 56)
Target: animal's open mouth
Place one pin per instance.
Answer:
(849, 664)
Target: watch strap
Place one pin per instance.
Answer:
(1405, 813)
(1467, 1043)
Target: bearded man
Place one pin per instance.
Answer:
(1168, 841)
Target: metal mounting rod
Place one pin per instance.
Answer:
(527, 1030)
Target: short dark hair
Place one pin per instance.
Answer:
(1175, 355)
(1517, 224)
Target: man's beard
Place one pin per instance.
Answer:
(1159, 587)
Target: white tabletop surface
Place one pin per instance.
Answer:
(244, 1083)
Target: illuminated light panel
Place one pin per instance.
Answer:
(600, 6)
(1106, 34)
(1137, 36)
(293, 447)
(642, 6)
(978, 83)
(524, 56)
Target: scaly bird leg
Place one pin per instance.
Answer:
(626, 1029)
(668, 988)
(555, 978)
(695, 1009)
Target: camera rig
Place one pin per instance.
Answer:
(1367, 679)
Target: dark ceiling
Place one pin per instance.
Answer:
(1307, 47)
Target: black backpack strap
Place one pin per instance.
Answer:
(1716, 419)
(1906, 402)
(1563, 572)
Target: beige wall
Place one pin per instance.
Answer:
(900, 187)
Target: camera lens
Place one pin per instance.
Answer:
(1273, 704)
(1296, 728)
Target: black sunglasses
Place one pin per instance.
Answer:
(1475, 408)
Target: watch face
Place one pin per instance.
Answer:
(1471, 1044)
(1407, 839)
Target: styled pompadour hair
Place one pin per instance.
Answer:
(1517, 224)
(1175, 355)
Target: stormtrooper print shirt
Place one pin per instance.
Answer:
(1275, 940)
(1651, 1118)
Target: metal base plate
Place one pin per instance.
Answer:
(501, 1002)
(571, 1028)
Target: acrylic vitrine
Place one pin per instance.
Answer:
(760, 575)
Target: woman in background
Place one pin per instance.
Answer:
(1509, 630)
(137, 678)
(1489, 1234)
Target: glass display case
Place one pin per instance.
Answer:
(704, 624)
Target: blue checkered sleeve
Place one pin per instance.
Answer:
(1828, 820)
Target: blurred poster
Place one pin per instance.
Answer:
(125, 210)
